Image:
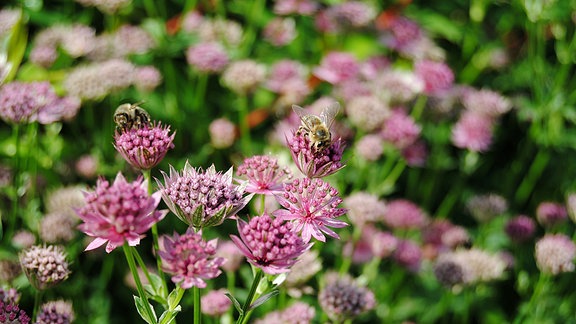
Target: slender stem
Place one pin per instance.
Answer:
(37, 302)
(245, 312)
(231, 285)
(245, 140)
(17, 177)
(150, 8)
(419, 107)
(148, 179)
(347, 260)
(263, 204)
(534, 173)
(200, 91)
(391, 178)
(197, 314)
(140, 288)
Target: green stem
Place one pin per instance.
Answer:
(450, 199)
(263, 204)
(200, 91)
(392, 176)
(148, 179)
(245, 140)
(254, 15)
(17, 177)
(37, 302)
(197, 314)
(347, 260)
(231, 285)
(140, 288)
(534, 173)
(532, 309)
(245, 309)
(150, 8)
(418, 108)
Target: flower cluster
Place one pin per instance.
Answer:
(315, 164)
(119, 212)
(264, 174)
(11, 313)
(312, 205)
(144, 147)
(45, 266)
(342, 298)
(190, 259)
(202, 199)
(59, 311)
(269, 244)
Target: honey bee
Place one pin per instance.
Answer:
(317, 128)
(128, 116)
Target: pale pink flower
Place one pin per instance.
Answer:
(280, 31)
(147, 78)
(298, 313)
(45, 265)
(473, 132)
(269, 244)
(370, 147)
(144, 147)
(486, 102)
(189, 259)
(264, 174)
(400, 129)
(119, 212)
(300, 7)
(312, 204)
(437, 76)
(367, 112)
(222, 133)
(550, 213)
(215, 303)
(229, 251)
(408, 254)
(364, 208)
(207, 57)
(243, 76)
(337, 67)
(402, 213)
(555, 254)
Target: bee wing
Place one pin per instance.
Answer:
(329, 113)
(301, 112)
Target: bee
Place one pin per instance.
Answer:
(317, 128)
(128, 116)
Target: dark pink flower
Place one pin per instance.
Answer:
(402, 213)
(21, 102)
(312, 204)
(264, 174)
(550, 213)
(119, 212)
(520, 228)
(437, 76)
(342, 298)
(315, 164)
(144, 147)
(403, 33)
(337, 67)
(202, 198)
(59, 311)
(269, 244)
(11, 313)
(408, 254)
(415, 154)
(190, 259)
(473, 132)
(400, 129)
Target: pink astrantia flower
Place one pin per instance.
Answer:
(409, 255)
(269, 244)
(315, 164)
(403, 33)
(190, 259)
(300, 7)
(280, 31)
(119, 212)
(312, 204)
(400, 129)
(437, 76)
(473, 132)
(337, 67)
(555, 254)
(402, 213)
(415, 154)
(520, 228)
(222, 133)
(207, 57)
(215, 303)
(550, 213)
(144, 147)
(264, 174)
(202, 198)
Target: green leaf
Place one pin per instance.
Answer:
(141, 308)
(174, 298)
(157, 286)
(263, 299)
(169, 315)
(235, 302)
(197, 216)
(12, 48)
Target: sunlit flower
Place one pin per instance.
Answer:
(243, 76)
(215, 303)
(477, 265)
(520, 228)
(342, 298)
(402, 213)
(550, 213)
(119, 212)
(400, 129)
(269, 244)
(473, 132)
(144, 147)
(298, 313)
(337, 67)
(437, 76)
(207, 57)
(486, 102)
(59, 311)
(147, 78)
(280, 31)
(11, 313)
(189, 259)
(364, 208)
(222, 133)
(555, 254)
(370, 147)
(264, 174)
(312, 204)
(45, 266)
(367, 112)
(300, 7)
(202, 198)
(315, 164)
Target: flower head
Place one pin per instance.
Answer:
(476, 265)
(337, 67)
(207, 57)
(555, 254)
(307, 266)
(415, 154)
(147, 78)
(298, 313)
(364, 208)
(45, 266)
(520, 228)
(215, 303)
(202, 198)
(144, 147)
(550, 213)
(312, 163)
(264, 174)
(400, 129)
(21, 102)
(222, 133)
(402, 213)
(342, 298)
(473, 132)
(486, 102)
(57, 227)
(408, 254)
(486, 206)
(383, 244)
(189, 259)
(300, 7)
(243, 76)
(119, 212)
(312, 204)
(269, 244)
(280, 31)
(11, 313)
(370, 147)
(10, 295)
(367, 112)
(59, 311)
(229, 251)
(448, 272)
(437, 76)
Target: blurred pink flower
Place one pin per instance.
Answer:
(222, 133)
(555, 254)
(403, 33)
(118, 213)
(229, 251)
(408, 254)
(243, 76)
(147, 78)
(269, 244)
(280, 31)
(144, 147)
(370, 147)
(264, 174)
(312, 204)
(207, 57)
(520, 228)
(297, 313)
(367, 112)
(342, 298)
(437, 76)
(215, 303)
(337, 67)
(415, 154)
(473, 132)
(300, 7)
(486, 102)
(404, 214)
(400, 129)
(189, 259)
(364, 208)
(550, 213)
